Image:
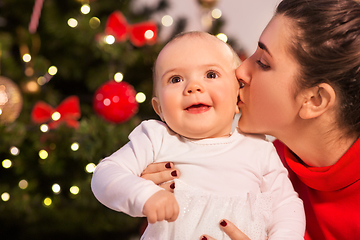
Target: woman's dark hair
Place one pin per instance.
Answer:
(326, 43)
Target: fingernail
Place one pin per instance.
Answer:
(203, 238)
(223, 223)
(172, 186)
(173, 173)
(168, 165)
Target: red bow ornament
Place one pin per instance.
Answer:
(68, 111)
(139, 34)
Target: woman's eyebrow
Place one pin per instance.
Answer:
(263, 47)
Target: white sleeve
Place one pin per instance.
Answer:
(116, 181)
(288, 210)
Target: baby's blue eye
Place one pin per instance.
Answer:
(211, 75)
(175, 79)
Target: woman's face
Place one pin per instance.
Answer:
(268, 103)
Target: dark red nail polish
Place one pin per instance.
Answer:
(172, 186)
(168, 165)
(173, 173)
(223, 223)
(203, 238)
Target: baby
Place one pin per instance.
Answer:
(224, 174)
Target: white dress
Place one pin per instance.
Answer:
(239, 178)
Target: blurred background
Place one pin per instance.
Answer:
(75, 79)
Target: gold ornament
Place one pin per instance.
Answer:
(10, 101)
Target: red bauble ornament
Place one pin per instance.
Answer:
(115, 101)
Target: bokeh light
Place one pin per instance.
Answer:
(222, 37)
(56, 188)
(6, 163)
(85, 9)
(23, 184)
(75, 190)
(52, 70)
(43, 154)
(5, 196)
(27, 57)
(94, 22)
(90, 167)
(167, 20)
(140, 97)
(75, 146)
(14, 151)
(216, 13)
(118, 77)
(72, 22)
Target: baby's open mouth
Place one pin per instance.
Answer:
(198, 108)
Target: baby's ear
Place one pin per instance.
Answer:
(157, 107)
(316, 101)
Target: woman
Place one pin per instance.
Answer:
(302, 86)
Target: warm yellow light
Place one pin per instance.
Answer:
(44, 128)
(0, 111)
(29, 71)
(74, 190)
(6, 163)
(109, 39)
(216, 13)
(14, 151)
(75, 146)
(41, 80)
(72, 22)
(43, 154)
(56, 188)
(26, 57)
(90, 167)
(52, 70)
(167, 20)
(149, 34)
(106, 102)
(56, 116)
(222, 37)
(23, 184)
(94, 22)
(5, 196)
(47, 201)
(85, 9)
(32, 86)
(140, 97)
(118, 77)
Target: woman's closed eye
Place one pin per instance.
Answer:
(263, 65)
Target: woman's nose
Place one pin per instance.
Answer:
(243, 73)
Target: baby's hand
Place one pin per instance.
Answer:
(161, 206)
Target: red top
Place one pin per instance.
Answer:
(331, 195)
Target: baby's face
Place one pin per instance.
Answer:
(196, 90)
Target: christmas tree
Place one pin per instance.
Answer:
(76, 78)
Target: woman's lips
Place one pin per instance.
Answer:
(198, 108)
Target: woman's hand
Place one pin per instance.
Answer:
(162, 174)
(230, 229)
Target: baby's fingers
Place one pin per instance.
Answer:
(173, 212)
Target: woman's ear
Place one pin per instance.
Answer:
(316, 101)
(157, 107)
